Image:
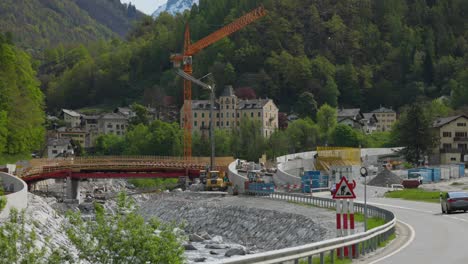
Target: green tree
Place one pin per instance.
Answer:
(277, 144)
(109, 144)
(123, 236)
(306, 105)
(247, 141)
(326, 120)
(141, 115)
(303, 135)
(345, 136)
(414, 133)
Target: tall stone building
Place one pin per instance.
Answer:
(229, 110)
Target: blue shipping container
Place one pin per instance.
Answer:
(435, 174)
(313, 179)
(462, 169)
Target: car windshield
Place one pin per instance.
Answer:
(458, 194)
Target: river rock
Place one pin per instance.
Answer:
(195, 238)
(212, 252)
(199, 259)
(235, 251)
(217, 239)
(189, 247)
(216, 246)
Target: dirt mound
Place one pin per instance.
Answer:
(385, 178)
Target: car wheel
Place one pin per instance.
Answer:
(442, 208)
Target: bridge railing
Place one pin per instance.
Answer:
(108, 162)
(364, 242)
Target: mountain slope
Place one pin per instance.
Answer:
(39, 24)
(175, 6)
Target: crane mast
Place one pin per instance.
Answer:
(186, 60)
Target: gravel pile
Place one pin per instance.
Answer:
(231, 217)
(385, 178)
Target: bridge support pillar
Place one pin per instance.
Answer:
(73, 190)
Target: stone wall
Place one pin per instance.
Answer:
(18, 198)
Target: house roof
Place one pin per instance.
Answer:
(114, 116)
(350, 112)
(228, 91)
(203, 105)
(71, 113)
(341, 119)
(369, 116)
(58, 141)
(384, 110)
(252, 104)
(439, 122)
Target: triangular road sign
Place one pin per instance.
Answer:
(344, 190)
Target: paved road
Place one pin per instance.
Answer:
(438, 238)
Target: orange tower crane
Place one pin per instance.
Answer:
(186, 59)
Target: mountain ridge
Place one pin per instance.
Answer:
(174, 6)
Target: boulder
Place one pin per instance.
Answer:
(235, 251)
(195, 238)
(212, 252)
(189, 247)
(199, 260)
(217, 239)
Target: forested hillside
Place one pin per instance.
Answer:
(40, 24)
(348, 53)
(21, 102)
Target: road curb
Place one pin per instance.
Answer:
(404, 237)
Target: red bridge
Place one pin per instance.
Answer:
(118, 167)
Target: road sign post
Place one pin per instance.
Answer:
(364, 174)
(344, 196)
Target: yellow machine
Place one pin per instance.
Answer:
(217, 180)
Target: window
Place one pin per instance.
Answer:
(203, 115)
(447, 134)
(446, 146)
(453, 159)
(118, 133)
(237, 122)
(217, 123)
(109, 125)
(221, 106)
(195, 115)
(222, 123)
(259, 114)
(203, 123)
(117, 126)
(460, 134)
(227, 123)
(245, 114)
(217, 115)
(54, 151)
(462, 146)
(221, 115)
(461, 124)
(195, 123)
(233, 115)
(251, 114)
(237, 115)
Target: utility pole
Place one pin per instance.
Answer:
(190, 78)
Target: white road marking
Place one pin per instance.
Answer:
(456, 218)
(412, 237)
(400, 207)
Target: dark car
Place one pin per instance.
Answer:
(453, 201)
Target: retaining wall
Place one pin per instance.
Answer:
(236, 179)
(19, 196)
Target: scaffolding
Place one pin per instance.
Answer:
(337, 156)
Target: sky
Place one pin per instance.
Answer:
(146, 6)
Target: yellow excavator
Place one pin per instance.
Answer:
(217, 181)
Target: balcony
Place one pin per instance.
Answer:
(454, 150)
(462, 139)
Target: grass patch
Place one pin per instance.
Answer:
(154, 183)
(456, 183)
(372, 222)
(316, 260)
(11, 159)
(415, 195)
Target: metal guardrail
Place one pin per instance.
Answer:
(365, 242)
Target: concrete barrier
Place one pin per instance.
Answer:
(236, 179)
(17, 196)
